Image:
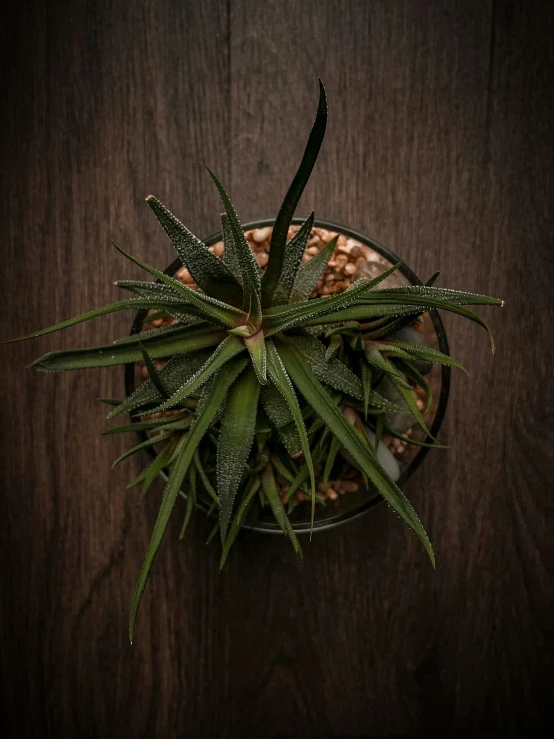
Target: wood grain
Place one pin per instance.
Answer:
(440, 146)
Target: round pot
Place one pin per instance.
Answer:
(351, 505)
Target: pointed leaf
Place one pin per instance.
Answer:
(331, 371)
(230, 254)
(270, 490)
(235, 442)
(294, 252)
(130, 304)
(224, 380)
(257, 350)
(426, 353)
(286, 211)
(211, 309)
(318, 398)
(284, 317)
(191, 499)
(248, 265)
(280, 416)
(229, 348)
(377, 360)
(159, 342)
(249, 495)
(311, 272)
(209, 272)
(282, 381)
(177, 371)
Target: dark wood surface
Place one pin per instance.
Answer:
(440, 146)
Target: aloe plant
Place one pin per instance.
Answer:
(256, 375)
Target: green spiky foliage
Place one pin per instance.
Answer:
(257, 376)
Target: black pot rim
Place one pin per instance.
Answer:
(270, 527)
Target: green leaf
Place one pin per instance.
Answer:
(366, 385)
(248, 265)
(286, 212)
(279, 414)
(143, 445)
(225, 378)
(249, 495)
(257, 350)
(425, 353)
(235, 442)
(155, 290)
(210, 308)
(330, 460)
(417, 378)
(157, 465)
(362, 311)
(293, 256)
(191, 499)
(270, 490)
(229, 348)
(377, 360)
(204, 477)
(285, 317)
(148, 425)
(316, 395)
(161, 342)
(209, 272)
(335, 343)
(407, 394)
(279, 375)
(455, 297)
(331, 371)
(152, 371)
(311, 272)
(230, 254)
(131, 303)
(177, 371)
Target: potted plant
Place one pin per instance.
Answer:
(277, 360)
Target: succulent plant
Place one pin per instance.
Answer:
(259, 379)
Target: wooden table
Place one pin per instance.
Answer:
(439, 145)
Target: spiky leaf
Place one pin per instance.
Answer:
(235, 442)
(225, 378)
(311, 272)
(318, 398)
(286, 212)
(209, 272)
(293, 256)
(248, 266)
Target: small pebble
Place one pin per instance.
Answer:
(262, 258)
(312, 250)
(218, 248)
(350, 269)
(261, 234)
(184, 275)
(332, 493)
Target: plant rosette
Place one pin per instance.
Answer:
(274, 373)
(341, 491)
